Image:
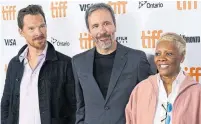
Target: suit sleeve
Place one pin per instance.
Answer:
(80, 112)
(70, 93)
(144, 70)
(5, 100)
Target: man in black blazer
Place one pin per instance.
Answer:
(39, 85)
(106, 74)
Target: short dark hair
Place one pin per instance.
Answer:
(97, 6)
(30, 9)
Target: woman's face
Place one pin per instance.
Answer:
(167, 59)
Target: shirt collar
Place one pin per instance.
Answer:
(23, 55)
(179, 79)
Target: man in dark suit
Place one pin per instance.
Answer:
(39, 86)
(106, 74)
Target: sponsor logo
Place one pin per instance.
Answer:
(150, 4)
(56, 42)
(10, 42)
(119, 7)
(83, 7)
(191, 39)
(8, 12)
(86, 41)
(149, 38)
(194, 72)
(122, 40)
(187, 5)
(58, 9)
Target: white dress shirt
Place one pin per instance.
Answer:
(29, 112)
(163, 98)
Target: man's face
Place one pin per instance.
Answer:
(34, 31)
(102, 28)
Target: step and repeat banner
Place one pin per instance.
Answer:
(139, 25)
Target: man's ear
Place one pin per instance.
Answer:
(89, 33)
(20, 32)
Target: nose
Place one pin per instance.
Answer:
(38, 31)
(102, 30)
(161, 58)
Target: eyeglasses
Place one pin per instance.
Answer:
(167, 109)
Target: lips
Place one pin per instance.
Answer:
(163, 66)
(39, 38)
(104, 39)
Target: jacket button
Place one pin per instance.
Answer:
(107, 108)
(17, 79)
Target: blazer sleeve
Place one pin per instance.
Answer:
(144, 69)
(80, 105)
(5, 100)
(70, 93)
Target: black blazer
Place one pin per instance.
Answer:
(55, 88)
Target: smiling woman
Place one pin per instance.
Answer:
(169, 53)
(168, 93)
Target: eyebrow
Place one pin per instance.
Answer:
(36, 26)
(103, 22)
(95, 24)
(164, 51)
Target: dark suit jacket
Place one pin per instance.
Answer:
(130, 67)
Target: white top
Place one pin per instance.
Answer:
(163, 98)
(29, 112)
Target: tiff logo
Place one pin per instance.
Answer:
(10, 42)
(194, 72)
(86, 41)
(187, 5)
(8, 12)
(58, 9)
(119, 7)
(149, 38)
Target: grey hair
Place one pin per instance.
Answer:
(97, 6)
(176, 39)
